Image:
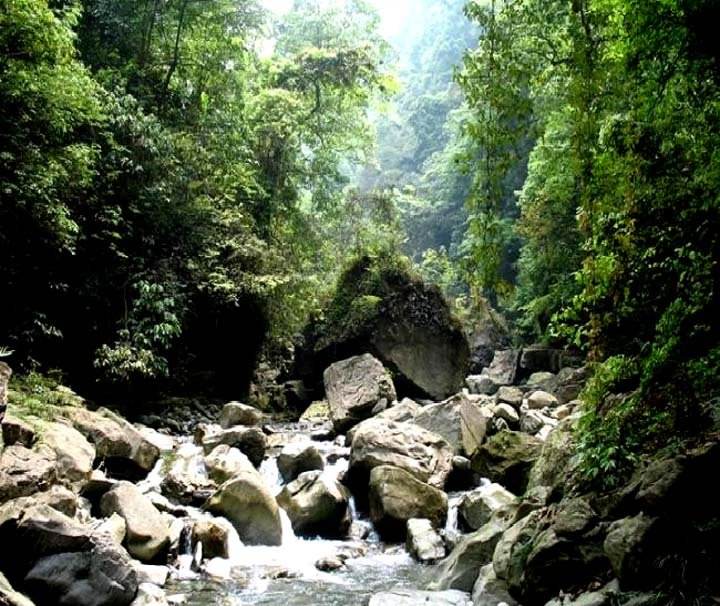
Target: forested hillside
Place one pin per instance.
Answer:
(459, 260)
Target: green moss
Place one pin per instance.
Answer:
(36, 396)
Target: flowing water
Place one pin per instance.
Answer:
(287, 575)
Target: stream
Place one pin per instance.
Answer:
(287, 574)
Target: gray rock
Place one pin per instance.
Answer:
(510, 395)
(214, 534)
(482, 385)
(629, 545)
(225, 462)
(186, 480)
(541, 359)
(478, 507)
(235, 413)
(538, 400)
(506, 458)
(18, 431)
(545, 381)
(412, 597)
(401, 412)
(458, 420)
(531, 422)
(74, 455)
(489, 590)
(150, 595)
(24, 472)
(148, 533)
(396, 496)
(251, 441)
(507, 412)
(297, 458)
(557, 460)
(423, 541)
(316, 505)
(354, 387)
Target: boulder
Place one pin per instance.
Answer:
(235, 413)
(24, 472)
(488, 334)
(17, 431)
(507, 412)
(354, 387)
(114, 527)
(630, 546)
(10, 597)
(247, 502)
(226, 462)
(502, 371)
(458, 420)
(103, 576)
(423, 542)
(395, 497)
(557, 459)
(461, 568)
(541, 359)
(538, 400)
(124, 450)
(297, 458)
(186, 480)
(316, 505)
(425, 455)
(74, 455)
(148, 533)
(506, 458)
(489, 590)
(413, 597)
(544, 381)
(251, 441)
(510, 395)
(214, 536)
(401, 412)
(477, 507)
(531, 422)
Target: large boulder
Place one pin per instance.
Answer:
(557, 460)
(215, 536)
(414, 597)
(226, 462)
(403, 411)
(396, 496)
(631, 546)
(489, 590)
(18, 431)
(74, 455)
(316, 505)
(127, 454)
(186, 479)
(458, 420)
(297, 458)
(423, 454)
(506, 458)
(424, 542)
(354, 387)
(478, 507)
(251, 441)
(148, 533)
(235, 413)
(24, 471)
(382, 309)
(502, 371)
(247, 502)
(461, 568)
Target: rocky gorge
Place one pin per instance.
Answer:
(368, 498)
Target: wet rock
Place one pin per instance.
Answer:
(506, 458)
(477, 507)
(214, 536)
(630, 546)
(24, 472)
(458, 420)
(148, 533)
(74, 455)
(489, 590)
(329, 564)
(10, 597)
(538, 400)
(502, 371)
(395, 497)
(412, 597)
(235, 413)
(103, 576)
(316, 505)
(423, 454)
(251, 441)
(126, 453)
(354, 387)
(297, 458)
(247, 502)
(461, 568)
(17, 431)
(226, 462)
(423, 542)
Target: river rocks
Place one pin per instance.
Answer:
(423, 541)
(401, 412)
(489, 590)
(395, 497)
(316, 505)
(126, 453)
(506, 458)
(630, 545)
(423, 454)
(74, 455)
(246, 501)
(508, 413)
(557, 459)
(458, 420)
(103, 576)
(226, 462)
(235, 413)
(148, 533)
(477, 507)
(539, 400)
(510, 395)
(354, 387)
(251, 441)
(214, 536)
(297, 458)
(17, 431)
(24, 471)
(460, 569)
(412, 597)
(502, 371)
(186, 479)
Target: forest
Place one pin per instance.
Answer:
(378, 208)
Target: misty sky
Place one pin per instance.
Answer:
(394, 13)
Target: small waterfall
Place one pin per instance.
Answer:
(186, 557)
(452, 532)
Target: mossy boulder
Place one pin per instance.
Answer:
(381, 308)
